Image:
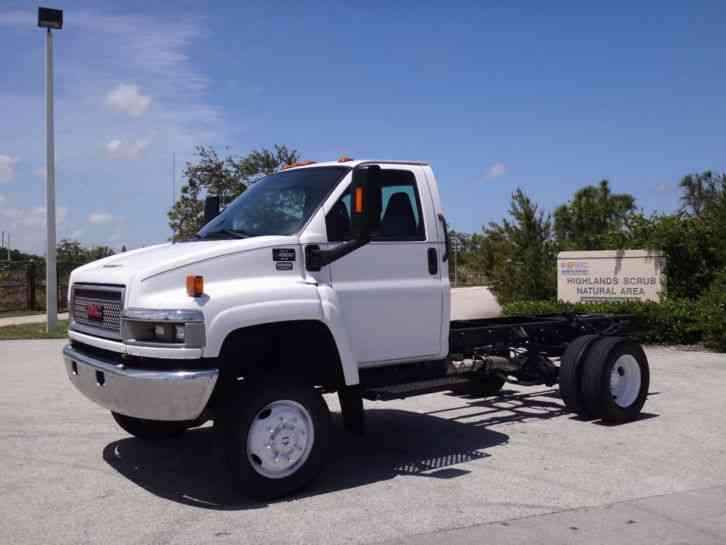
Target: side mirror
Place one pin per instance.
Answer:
(364, 213)
(362, 203)
(211, 209)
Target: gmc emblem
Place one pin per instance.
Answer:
(94, 312)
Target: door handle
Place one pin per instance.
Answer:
(433, 261)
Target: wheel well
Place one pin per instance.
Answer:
(304, 349)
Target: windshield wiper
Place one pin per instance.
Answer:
(236, 233)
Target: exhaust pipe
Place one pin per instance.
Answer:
(490, 364)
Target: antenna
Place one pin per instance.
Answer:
(173, 187)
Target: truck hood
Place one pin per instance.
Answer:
(146, 262)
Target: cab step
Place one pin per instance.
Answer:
(409, 389)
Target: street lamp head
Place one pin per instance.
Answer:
(50, 18)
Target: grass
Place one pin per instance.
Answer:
(15, 313)
(33, 331)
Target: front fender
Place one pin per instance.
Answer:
(268, 312)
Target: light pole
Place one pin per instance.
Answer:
(49, 19)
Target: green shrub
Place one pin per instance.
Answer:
(712, 313)
(673, 321)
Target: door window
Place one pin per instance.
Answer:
(400, 216)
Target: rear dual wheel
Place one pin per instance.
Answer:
(605, 377)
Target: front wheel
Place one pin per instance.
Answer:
(150, 430)
(274, 438)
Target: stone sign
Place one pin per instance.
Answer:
(610, 275)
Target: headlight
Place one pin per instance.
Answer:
(169, 327)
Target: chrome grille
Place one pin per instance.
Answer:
(105, 302)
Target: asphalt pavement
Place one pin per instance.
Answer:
(442, 468)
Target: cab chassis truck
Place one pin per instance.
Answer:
(322, 278)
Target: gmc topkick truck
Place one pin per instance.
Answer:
(322, 278)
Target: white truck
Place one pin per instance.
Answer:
(322, 278)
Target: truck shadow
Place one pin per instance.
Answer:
(188, 470)
(511, 406)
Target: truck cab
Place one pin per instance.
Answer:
(321, 278)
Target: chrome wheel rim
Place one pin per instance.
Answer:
(625, 381)
(280, 439)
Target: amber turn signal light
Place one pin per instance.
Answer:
(195, 286)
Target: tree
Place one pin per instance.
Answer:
(466, 258)
(519, 254)
(688, 245)
(226, 177)
(699, 191)
(592, 218)
(72, 251)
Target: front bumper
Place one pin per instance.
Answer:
(152, 395)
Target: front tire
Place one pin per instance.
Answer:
(274, 438)
(615, 379)
(150, 430)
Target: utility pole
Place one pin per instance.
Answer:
(49, 19)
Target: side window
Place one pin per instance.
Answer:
(337, 222)
(400, 216)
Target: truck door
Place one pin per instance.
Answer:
(390, 290)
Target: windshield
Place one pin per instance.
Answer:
(279, 204)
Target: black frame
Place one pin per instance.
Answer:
(548, 335)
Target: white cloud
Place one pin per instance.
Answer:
(121, 149)
(7, 168)
(129, 99)
(151, 57)
(100, 218)
(31, 217)
(495, 171)
(27, 226)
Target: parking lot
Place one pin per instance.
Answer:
(441, 468)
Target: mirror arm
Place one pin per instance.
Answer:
(316, 259)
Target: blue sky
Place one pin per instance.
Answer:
(547, 97)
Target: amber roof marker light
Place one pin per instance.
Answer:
(299, 164)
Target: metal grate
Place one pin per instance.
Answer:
(97, 307)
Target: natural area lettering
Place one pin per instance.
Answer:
(607, 290)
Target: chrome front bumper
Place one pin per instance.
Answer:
(153, 395)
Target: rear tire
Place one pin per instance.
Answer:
(150, 430)
(615, 379)
(570, 377)
(274, 438)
